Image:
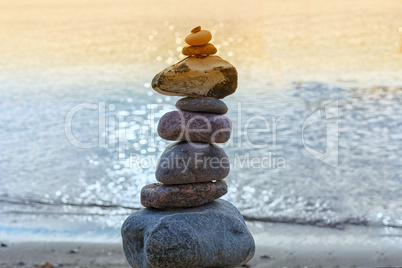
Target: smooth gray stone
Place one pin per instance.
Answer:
(184, 162)
(213, 106)
(195, 127)
(197, 76)
(212, 235)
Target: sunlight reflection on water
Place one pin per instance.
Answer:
(70, 56)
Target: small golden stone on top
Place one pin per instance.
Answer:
(196, 29)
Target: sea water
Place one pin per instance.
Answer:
(316, 118)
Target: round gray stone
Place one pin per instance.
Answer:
(195, 127)
(213, 106)
(212, 235)
(184, 162)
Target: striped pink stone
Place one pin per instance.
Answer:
(162, 196)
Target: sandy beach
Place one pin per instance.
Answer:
(278, 245)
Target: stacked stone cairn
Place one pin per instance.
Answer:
(184, 223)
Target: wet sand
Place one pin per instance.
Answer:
(62, 254)
(278, 245)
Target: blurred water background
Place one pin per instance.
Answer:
(293, 58)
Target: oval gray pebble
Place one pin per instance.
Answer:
(213, 106)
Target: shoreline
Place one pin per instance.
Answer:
(277, 245)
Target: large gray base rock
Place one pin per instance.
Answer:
(212, 235)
